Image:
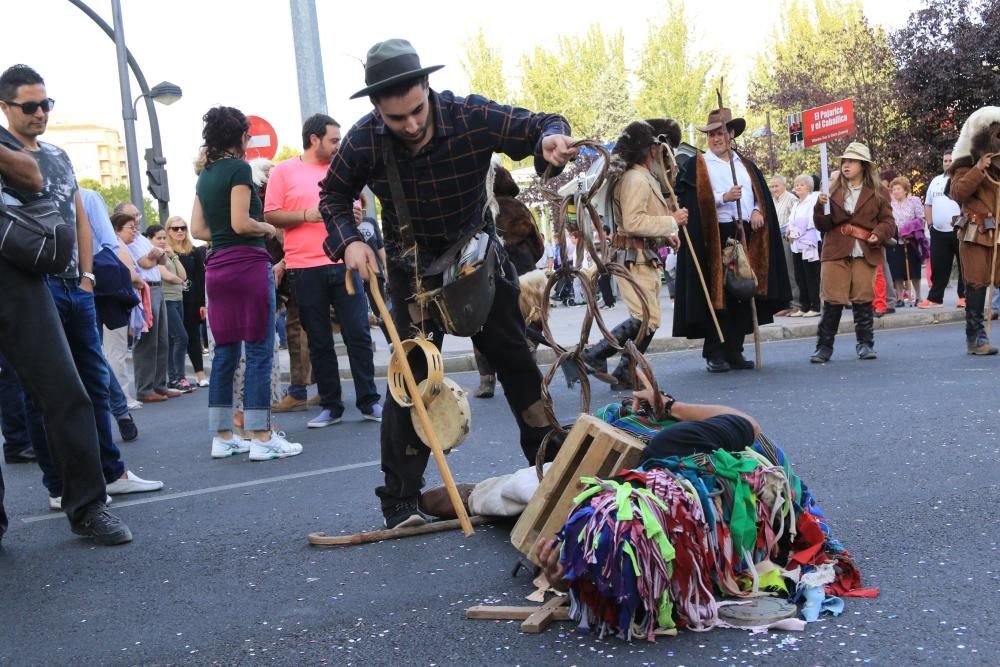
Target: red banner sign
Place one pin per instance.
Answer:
(828, 122)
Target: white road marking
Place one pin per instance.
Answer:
(159, 498)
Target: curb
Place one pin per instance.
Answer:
(461, 363)
(464, 362)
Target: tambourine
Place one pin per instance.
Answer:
(429, 388)
(450, 415)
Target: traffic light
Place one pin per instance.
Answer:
(156, 176)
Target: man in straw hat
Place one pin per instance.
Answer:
(975, 186)
(434, 149)
(705, 188)
(860, 221)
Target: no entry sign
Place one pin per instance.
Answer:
(263, 139)
(828, 122)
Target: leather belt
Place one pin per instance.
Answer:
(860, 233)
(156, 284)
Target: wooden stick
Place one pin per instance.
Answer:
(322, 539)
(909, 281)
(993, 271)
(687, 238)
(418, 403)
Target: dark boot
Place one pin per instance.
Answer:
(864, 330)
(826, 330)
(975, 324)
(623, 371)
(596, 356)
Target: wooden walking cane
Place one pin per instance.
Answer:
(909, 281)
(418, 403)
(687, 237)
(993, 265)
(743, 240)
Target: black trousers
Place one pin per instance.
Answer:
(33, 342)
(608, 296)
(807, 277)
(732, 321)
(192, 325)
(944, 251)
(503, 342)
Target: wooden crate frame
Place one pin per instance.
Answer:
(593, 448)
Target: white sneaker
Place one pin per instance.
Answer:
(223, 448)
(133, 484)
(203, 383)
(134, 404)
(275, 448)
(55, 504)
(324, 419)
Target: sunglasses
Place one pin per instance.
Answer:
(178, 229)
(29, 108)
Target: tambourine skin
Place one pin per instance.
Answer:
(450, 415)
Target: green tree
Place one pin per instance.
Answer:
(673, 75)
(116, 194)
(285, 153)
(584, 79)
(483, 67)
(823, 51)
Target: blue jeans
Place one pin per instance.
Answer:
(256, 383)
(177, 335)
(12, 418)
(79, 320)
(280, 326)
(996, 300)
(316, 290)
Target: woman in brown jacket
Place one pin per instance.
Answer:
(859, 223)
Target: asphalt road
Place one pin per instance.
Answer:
(901, 452)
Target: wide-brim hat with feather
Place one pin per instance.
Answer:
(723, 116)
(389, 63)
(980, 120)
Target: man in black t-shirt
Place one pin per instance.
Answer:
(32, 336)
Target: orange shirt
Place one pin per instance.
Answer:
(294, 186)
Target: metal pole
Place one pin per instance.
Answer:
(770, 144)
(128, 114)
(154, 124)
(308, 58)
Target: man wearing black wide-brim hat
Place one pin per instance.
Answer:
(705, 187)
(426, 154)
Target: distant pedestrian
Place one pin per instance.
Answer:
(805, 247)
(940, 212)
(240, 288)
(175, 282)
(318, 282)
(192, 258)
(784, 202)
(906, 257)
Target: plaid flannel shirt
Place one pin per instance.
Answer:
(444, 183)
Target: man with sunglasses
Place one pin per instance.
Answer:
(23, 90)
(32, 337)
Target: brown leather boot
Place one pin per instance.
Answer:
(487, 387)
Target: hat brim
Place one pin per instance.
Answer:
(393, 80)
(854, 156)
(737, 125)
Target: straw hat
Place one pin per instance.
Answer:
(856, 151)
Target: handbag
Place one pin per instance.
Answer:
(739, 280)
(114, 295)
(33, 235)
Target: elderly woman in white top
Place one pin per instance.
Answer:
(804, 240)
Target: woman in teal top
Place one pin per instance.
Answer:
(239, 286)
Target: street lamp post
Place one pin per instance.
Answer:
(155, 154)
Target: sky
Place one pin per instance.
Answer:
(239, 53)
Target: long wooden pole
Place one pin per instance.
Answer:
(687, 239)
(739, 224)
(993, 271)
(418, 403)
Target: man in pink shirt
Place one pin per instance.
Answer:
(316, 282)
